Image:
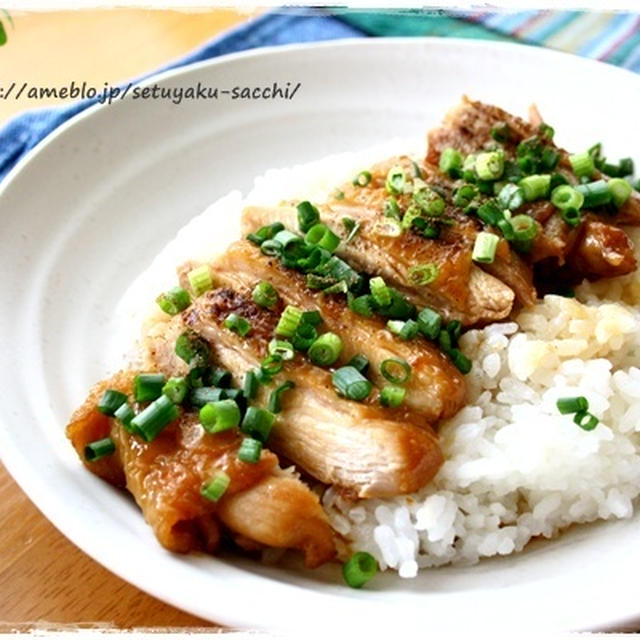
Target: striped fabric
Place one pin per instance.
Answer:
(609, 36)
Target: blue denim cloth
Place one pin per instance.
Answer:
(273, 28)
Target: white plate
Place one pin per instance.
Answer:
(89, 208)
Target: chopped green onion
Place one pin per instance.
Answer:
(546, 131)
(250, 387)
(412, 213)
(325, 350)
(176, 389)
(99, 449)
(511, 197)
(219, 377)
(409, 330)
(387, 227)
(111, 401)
(220, 416)
(265, 295)
(572, 405)
(549, 159)
(454, 329)
(338, 269)
(320, 235)
(174, 301)
(535, 187)
(274, 398)
(350, 383)
(380, 291)
(288, 322)
(216, 488)
(359, 362)
(362, 305)
(200, 280)
(304, 336)
(395, 370)
(125, 414)
(203, 395)
(271, 365)
(625, 167)
(308, 216)
(390, 209)
(490, 165)
(464, 195)
(399, 309)
(620, 191)
(271, 248)
(556, 180)
(586, 420)
(490, 213)
(566, 197)
(525, 229)
(595, 193)
(282, 348)
(396, 180)
(582, 164)
(484, 248)
(395, 326)
(572, 217)
(148, 386)
(451, 163)
(423, 274)
(314, 318)
(265, 233)
(258, 423)
(461, 361)
(500, 132)
(431, 203)
(338, 287)
(417, 172)
(359, 569)
(429, 322)
(362, 179)
(392, 396)
(469, 168)
(237, 324)
(152, 420)
(250, 450)
(352, 227)
(192, 349)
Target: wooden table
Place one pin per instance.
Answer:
(44, 579)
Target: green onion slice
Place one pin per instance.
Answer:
(535, 187)
(203, 395)
(396, 370)
(595, 193)
(271, 365)
(216, 487)
(582, 164)
(352, 227)
(430, 323)
(275, 397)
(308, 216)
(174, 301)
(359, 362)
(148, 386)
(265, 295)
(265, 233)
(152, 420)
(176, 389)
(200, 280)
(392, 396)
(325, 350)
(257, 423)
(125, 414)
(620, 191)
(484, 248)
(423, 274)
(566, 197)
(362, 179)
(304, 336)
(396, 180)
(350, 383)
(321, 236)
(250, 386)
(490, 165)
(359, 569)
(586, 420)
(111, 401)
(237, 324)
(388, 228)
(572, 405)
(288, 322)
(282, 348)
(380, 292)
(220, 416)
(250, 450)
(451, 162)
(99, 449)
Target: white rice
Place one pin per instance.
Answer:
(515, 468)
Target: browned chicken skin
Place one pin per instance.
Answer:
(165, 477)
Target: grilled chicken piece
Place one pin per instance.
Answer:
(461, 291)
(165, 477)
(436, 388)
(468, 126)
(368, 450)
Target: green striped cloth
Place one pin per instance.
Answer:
(609, 36)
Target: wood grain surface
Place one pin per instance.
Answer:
(44, 579)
